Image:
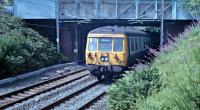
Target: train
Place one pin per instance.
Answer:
(113, 48)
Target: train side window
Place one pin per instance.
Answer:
(92, 44)
(132, 44)
(147, 43)
(140, 42)
(136, 44)
(118, 44)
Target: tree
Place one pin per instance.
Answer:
(193, 6)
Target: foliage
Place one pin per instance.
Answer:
(9, 2)
(192, 5)
(179, 72)
(8, 23)
(1, 7)
(135, 86)
(22, 49)
(177, 81)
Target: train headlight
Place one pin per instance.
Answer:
(102, 58)
(106, 58)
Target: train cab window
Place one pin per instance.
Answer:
(118, 44)
(105, 44)
(92, 44)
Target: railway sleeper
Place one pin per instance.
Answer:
(29, 93)
(34, 90)
(23, 94)
(16, 97)
(46, 85)
(2, 102)
(54, 82)
(42, 87)
(9, 99)
(39, 88)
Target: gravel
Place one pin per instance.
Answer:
(44, 99)
(78, 101)
(19, 84)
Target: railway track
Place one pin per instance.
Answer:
(18, 96)
(86, 104)
(90, 102)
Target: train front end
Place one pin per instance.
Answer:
(106, 52)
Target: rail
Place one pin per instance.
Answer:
(17, 96)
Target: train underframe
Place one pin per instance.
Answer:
(106, 71)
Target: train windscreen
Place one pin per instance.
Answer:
(92, 44)
(105, 44)
(118, 45)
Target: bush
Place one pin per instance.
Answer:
(172, 81)
(179, 72)
(22, 49)
(135, 86)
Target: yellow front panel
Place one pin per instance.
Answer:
(115, 58)
(120, 60)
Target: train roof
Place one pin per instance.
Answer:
(117, 30)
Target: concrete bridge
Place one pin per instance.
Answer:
(100, 9)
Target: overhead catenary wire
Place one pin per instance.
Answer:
(41, 25)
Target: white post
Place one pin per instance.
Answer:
(136, 9)
(58, 29)
(116, 9)
(162, 22)
(156, 9)
(174, 10)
